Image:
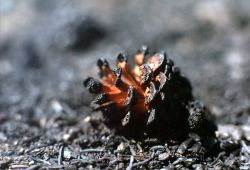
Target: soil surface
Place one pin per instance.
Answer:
(47, 48)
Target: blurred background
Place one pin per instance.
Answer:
(48, 47)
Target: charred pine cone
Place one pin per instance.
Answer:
(150, 100)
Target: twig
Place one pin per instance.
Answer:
(139, 147)
(41, 160)
(90, 161)
(60, 156)
(34, 167)
(130, 166)
(18, 166)
(113, 162)
(217, 159)
(92, 150)
(245, 147)
(156, 147)
(132, 150)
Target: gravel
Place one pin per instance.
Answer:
(45, 118)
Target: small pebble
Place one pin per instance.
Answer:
(56, 106)
(164, 156)
(184, 146)
(226, 131)
(121, 147)
(195, 137)
(87, 119)
(67, 154)
(66, 137)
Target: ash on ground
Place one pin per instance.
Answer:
(48, 47)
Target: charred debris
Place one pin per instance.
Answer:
(151, 99)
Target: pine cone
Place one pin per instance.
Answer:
(148, 100)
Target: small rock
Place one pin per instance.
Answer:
(164, 156)
(67, 154)
(43, 122)
(87, 119)
(66, 137)
(32, 162)
(226, 131)
(121, 147)
(195, 137)
(56, 106)
(184, 146)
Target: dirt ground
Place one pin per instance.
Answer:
(47, 48)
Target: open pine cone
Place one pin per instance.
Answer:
(152, 99)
